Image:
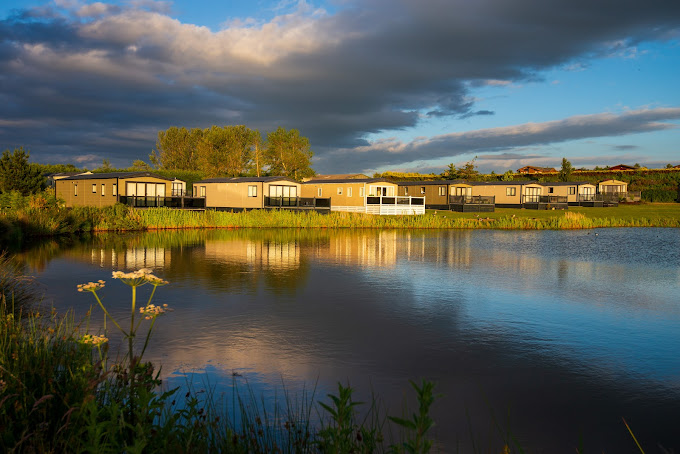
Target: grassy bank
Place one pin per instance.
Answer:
(23, 217)
(62, 391)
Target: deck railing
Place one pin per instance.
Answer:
(158, 201)
(302, 202)
(544, 199)
(472, 199)
(395, 200)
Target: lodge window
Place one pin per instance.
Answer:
(551, 190)
(349, 192)
(75, 190)
(319, 192)
(114, 190)
(572, 190)
(510, 192)
(202, 191)
(103, 189)
(339, 191)
(361, 192)
(442, 190)
(422, 189)
(94, 189)
(405, 190)
(252, 191)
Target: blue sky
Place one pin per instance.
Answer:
(375, 84)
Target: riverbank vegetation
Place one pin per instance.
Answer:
(22, 217)
(62, 390)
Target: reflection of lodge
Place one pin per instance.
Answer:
(131, 259)
(371, 250)
(259, 254)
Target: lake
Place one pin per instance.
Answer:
(553, 335)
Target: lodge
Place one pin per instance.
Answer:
(139, 189)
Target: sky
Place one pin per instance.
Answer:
(376, 85)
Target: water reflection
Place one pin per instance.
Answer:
(536, 321)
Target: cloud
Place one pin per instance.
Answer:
(86, 71)
(392, 151)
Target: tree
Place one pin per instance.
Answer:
(138, 164)
(176, 148)
(451, 172)
(508, 176)
(17, 174)
(288, 154)
(106, 165)
(566, 171)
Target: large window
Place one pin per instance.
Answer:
(282, 191)
(252, 190)
(133, 189)
(510, 192)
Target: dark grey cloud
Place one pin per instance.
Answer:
(625, 147)
(75, 82)
(500, 140)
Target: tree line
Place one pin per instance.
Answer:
(233, 151)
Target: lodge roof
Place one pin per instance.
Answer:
(565, 183)
(430, 182)
(503, 183)
(350, 180)
(245, 180)
(112, 175)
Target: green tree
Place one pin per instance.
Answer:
(566, 171)
(468, 171)
(138, 164)
(106, 166)
(288, 154)
(451, 172)
(17, 174)
(508, 176)
(176, 148)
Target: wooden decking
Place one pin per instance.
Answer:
(472, 203)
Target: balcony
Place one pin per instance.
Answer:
(471, 203)
(392, 205)
(544, 202)
(309, 203)
(157, 201)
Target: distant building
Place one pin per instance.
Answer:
(534, 169)
(622, 167)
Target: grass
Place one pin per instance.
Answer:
(22, 218)
(61, 392)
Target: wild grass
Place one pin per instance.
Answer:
(41, 215)
(61, 392)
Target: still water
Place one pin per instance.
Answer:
(552, 335)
